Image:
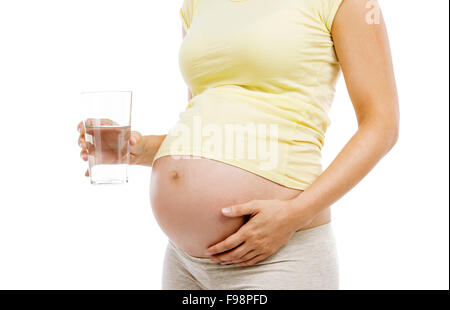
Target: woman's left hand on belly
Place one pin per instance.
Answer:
(270, 226)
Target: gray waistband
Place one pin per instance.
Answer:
(296, 239)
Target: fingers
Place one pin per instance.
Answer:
(80, 128)
(241, 253)
(89, 147)
(84, 155)
(86, 148)
(81, 138)
(250, 255)
(135, 138)
(252, 261)
(228, 244)
(240, 210)
(82, 143)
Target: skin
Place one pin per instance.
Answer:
(364, 55)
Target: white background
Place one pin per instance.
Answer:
(59, 232)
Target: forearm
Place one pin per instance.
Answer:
(150, 146)
(369, 144)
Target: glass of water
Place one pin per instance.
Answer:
(107, 132)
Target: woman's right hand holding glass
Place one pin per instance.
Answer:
(142, 148)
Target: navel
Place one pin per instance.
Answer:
(174, 175)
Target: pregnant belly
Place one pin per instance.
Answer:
(187, 196)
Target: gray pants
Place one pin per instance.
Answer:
(308, 261)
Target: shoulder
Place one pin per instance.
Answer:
(323, 10)
(187, 12)
(189, 6)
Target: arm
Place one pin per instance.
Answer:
(358, 45)
(142, 148)
(364, 54)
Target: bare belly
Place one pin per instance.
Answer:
(187, 196)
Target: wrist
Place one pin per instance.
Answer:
(299, 213)
(149, 148)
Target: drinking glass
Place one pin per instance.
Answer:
(107, 126)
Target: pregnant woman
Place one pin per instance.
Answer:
(237, 185)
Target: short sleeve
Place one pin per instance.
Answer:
(187, 12)
(330, 8)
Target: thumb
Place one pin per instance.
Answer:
(240, 210)
(135, 142)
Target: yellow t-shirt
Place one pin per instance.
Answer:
(263, 75)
